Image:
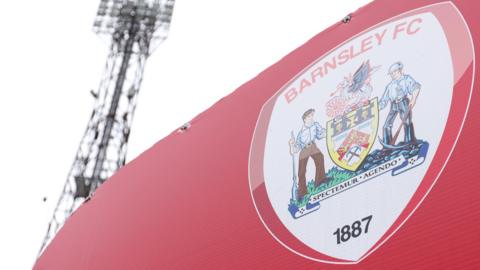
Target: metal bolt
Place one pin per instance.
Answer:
(347, 18)
(184, 127)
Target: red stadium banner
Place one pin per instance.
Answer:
(356, 151)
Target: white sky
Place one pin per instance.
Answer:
(50, 59)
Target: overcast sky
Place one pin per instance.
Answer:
(50, 59)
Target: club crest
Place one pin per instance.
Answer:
(345, 152)
(351, 136)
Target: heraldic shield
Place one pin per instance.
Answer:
(351, 136)
(369, 104)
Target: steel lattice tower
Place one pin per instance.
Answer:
(133, 29)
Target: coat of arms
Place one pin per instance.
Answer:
(350, 136)
(348, 149)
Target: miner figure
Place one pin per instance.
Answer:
(402, 93)
(305, 144)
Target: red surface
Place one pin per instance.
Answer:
(186, 204)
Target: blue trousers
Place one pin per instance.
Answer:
(399, 108)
